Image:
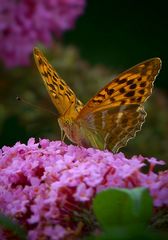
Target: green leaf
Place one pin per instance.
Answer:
(8, 224)
(114, 207)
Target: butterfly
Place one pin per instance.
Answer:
(110, 118)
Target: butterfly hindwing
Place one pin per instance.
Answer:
(112, 128)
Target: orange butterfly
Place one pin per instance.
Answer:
(112, 116)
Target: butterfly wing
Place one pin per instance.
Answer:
(61, 95)
(111, 128)
(116, 112)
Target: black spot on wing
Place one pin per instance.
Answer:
(61, 87)
(101, 95)
(67, 96)
(49, 73)
(139, 99)
(122, 90)
(109, 91)
(40, 61)
(122, 81)
(130, 94)
(55, 75)
(55, 79)
(62, 82)
(123, 102)
(51, 86)
(142, 84)
(96, 100)
(129, 82)
(45, 74)
(69, 93)
(132, 86)
(141, 91)
(132, 99)
(112, 99)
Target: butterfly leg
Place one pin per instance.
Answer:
(62, 135)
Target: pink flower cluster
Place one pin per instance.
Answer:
(43, 184)
(25, 23)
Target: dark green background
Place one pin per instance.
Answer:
(121, 34)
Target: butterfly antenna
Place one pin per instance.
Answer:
(35, 106)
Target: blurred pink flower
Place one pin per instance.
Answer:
(25, 23)
(44, 184)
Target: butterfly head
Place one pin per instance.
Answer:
(69, 126)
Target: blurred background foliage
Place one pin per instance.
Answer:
(109, 37)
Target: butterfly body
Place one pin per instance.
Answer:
(112, 116)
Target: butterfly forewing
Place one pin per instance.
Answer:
(61, 94)
(116, 112)
(133, 86)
